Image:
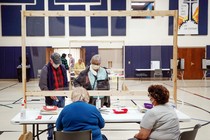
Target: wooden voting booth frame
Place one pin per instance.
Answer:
(24, 14)
(79, 43)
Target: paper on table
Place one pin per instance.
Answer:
(45, 112)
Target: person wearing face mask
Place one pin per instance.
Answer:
(53, 77)
(94, 77)
(160, 122)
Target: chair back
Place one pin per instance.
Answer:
(73, 135)
(190, 135)
(158, 73)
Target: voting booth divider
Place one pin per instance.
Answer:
(25, 14)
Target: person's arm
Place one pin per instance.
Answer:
(43, 79)
(59, 125)
(101, 122)
(143, 134)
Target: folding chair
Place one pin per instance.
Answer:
(190, 135)
(73, 135)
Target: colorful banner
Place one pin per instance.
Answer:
(188, 16)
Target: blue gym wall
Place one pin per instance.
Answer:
(139, 56)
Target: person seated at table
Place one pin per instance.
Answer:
(79, 115)
(160, 122)
(94, 77)
(79, 66)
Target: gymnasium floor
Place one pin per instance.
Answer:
(193, 99)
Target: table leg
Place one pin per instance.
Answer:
(37, 131)
(33, 131)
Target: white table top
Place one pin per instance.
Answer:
(151, 69)
(116, 75)
(133, 115)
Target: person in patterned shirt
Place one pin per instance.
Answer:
(53, 77)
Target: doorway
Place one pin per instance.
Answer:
(192, 62)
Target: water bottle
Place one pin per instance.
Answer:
(98, 103)
(23, 110)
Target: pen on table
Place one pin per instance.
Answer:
(50, 117)
(133, 102)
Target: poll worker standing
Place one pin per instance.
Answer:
(53, 77)
(79, 66)
(94, 77)
(79, 115)
(160, 122)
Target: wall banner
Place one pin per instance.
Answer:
(188, 16)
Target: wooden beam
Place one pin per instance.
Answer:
(23, 50)
(91, 93)
(175, 55)
(99, 13)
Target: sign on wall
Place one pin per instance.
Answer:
(188, 16)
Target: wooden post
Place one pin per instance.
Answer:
(175, 56)
(23, 39)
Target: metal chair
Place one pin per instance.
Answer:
(73, 135)
(190, 135)
(158, 73)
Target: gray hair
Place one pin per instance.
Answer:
(96, 58)
(80, 94)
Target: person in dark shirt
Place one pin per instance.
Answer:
(64, 61)
(94, 77)
(53, 77)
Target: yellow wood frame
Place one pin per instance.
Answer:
(24, 14)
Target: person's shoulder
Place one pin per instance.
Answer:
(45, 67)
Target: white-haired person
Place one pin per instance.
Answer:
(79, 115)
(94, 77)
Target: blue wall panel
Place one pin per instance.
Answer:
(99, 25)
(10, 59)
(35, 26)
(56, 26)
(208, 51)
(166, 56)
(17, 1)
(118, 4)
(103, 6)
(77, 25)
(11, 20)
(140, 57)
(118, 24)
(52, 6)
(81, 1)
(89, 52)
(136, 57)
(39, 5)
(203, 17)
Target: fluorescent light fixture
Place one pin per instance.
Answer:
(138, 3)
